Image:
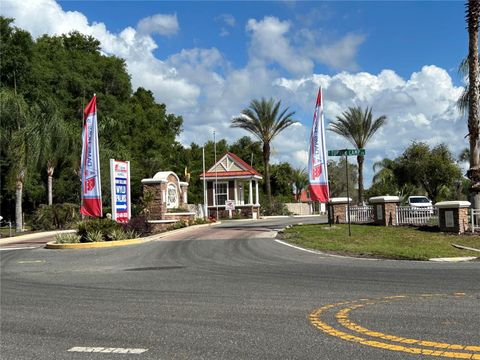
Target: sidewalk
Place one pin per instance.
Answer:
(33, 236)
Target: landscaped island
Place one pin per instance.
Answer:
(377, 241)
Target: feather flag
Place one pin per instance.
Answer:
(317, 155)
(90, 167)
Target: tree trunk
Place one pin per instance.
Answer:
(473, 173)
(360, 160)
(50, 170)
(266, 161)
(18, 202)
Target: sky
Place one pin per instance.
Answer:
(206, 60)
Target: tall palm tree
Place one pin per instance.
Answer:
(473, 173)
(52, 139)
(358, 127)
(264, 119)
(299, 181)
(384, 170)
(17, 133)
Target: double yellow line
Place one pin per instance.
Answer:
(374, 339)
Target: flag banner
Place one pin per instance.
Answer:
(120, 190)
(317, 155)
(90, 167)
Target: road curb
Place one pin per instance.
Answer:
(103, 244)
(319, 252)
(454, 259)
(115, 243)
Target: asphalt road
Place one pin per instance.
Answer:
(233, 292)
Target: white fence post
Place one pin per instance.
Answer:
(472, 221)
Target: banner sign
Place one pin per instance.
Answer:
(120, 189)
(90, 163)
(317, 155)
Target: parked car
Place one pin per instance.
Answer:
(420, 202)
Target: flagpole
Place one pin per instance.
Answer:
(216, 175)
(205, 205)
(98, 158)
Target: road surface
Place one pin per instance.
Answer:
(233, 292)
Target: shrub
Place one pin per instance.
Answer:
(102, 226)
(56, 216)
(275, 208)
(95, 236)
(178, 225)
(200, 221)
(138, 225)
(119, 234)
(67, 239)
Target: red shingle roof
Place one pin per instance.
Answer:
(248, 170)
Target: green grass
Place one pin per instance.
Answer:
(378, 241)
(5, 232)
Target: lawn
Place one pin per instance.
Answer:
(378, 241)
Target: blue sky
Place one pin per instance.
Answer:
(207, 60)
(400, 35)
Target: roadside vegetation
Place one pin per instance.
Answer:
(407, 243)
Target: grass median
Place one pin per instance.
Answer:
(378, 241)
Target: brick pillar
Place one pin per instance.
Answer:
(385, 209)
(155, 191)
(338, 210)
(453, 216)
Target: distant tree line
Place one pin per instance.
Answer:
(45, 84)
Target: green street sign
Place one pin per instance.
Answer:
(348, 152)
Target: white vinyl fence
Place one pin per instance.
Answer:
(474, 220)
(361, 214)
(409, 215)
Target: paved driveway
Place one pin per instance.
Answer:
(233, 292)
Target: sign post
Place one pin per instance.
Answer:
(120, 189)
(230, 205)
(346, 153)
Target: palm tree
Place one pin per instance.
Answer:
(358, 127)
(299, 181)
(17, 145)
(385, 173)
(52, 139)
(264, 119)
(473, 173)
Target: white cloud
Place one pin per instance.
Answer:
(162, 24)
(228, 19)
(270, 44)
(340, 54)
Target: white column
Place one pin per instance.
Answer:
(185, 197)
(250, 193)
(214, 195)
(256, 193)
(235, 192)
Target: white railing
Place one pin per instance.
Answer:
(410, 215)
(361, 214)
(474, 220)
